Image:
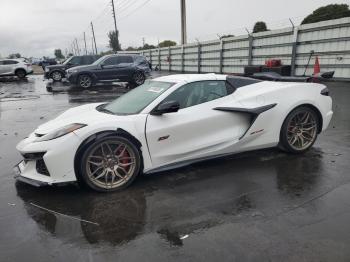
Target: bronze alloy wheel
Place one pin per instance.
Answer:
(299, 130)
(110, 163)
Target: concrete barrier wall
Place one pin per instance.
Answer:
(330, 41)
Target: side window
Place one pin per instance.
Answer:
(1, 62)
(86, 60)
(140, 60)
(199, 92)
(10, 62)
(125, 60)
(111, 61)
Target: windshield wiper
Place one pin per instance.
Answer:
(104, 110)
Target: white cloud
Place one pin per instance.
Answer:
(37, 27)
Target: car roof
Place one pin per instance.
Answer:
(11, 59)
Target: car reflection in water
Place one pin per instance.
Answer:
(173, 204)
(120, 217)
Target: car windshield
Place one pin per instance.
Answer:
(67, 60)
(98, 61)
(136, 100)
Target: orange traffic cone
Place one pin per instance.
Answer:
(317, 68)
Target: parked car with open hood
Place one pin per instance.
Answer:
(57, 72)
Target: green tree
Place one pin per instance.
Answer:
(146, 47)
(131, 48)
(167, 43)
(260, 26)
(327, 12)
(58, 54)
(16, 55)
(114, 40)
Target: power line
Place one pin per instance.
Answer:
(133, 11)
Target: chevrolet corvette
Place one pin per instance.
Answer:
(169, 122)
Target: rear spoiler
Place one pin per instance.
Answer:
(272, 76)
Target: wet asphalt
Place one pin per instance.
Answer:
(258, 206)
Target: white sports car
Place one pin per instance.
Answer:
(169, 122)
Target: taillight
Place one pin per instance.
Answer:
(325, 92)
(28, 64)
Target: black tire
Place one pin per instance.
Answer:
(85, 81)
(21, 73)
(299, 136)
(56, 76)
(104, 168)
(138, 78)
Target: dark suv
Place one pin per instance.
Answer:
(57, 72)
(110, 68)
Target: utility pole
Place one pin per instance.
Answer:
(143, 42)
(85, 44)
(93, 35)
(115, 25)
(183, 22)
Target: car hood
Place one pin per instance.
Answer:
(82, 67)
(51, 67)
(86, 114)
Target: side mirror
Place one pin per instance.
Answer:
(166, 107)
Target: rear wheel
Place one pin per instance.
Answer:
(57, 76)
(110, 164)
(85, 81)
(20, 73)
(139, 78)
(299, 130)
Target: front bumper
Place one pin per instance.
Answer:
(55, 163)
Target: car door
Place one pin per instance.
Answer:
(107, 69)
(196, 130)
(125, 67)
(2, 68)
(8, 66)
(115, 68)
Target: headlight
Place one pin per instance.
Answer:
(46, 69)
(60, 132)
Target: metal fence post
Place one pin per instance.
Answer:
(150, 57)
(169, 59)
(250, 50)
(182, 59)
(159, 63)
(199, 50)
(221, 56)
(294, 51)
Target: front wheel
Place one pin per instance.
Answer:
(20, 73)
(85, 81)
(299, 130)
(56, 76)
(110, 164)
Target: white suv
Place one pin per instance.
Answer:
(15, 67)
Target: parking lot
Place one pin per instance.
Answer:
(258, 206)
